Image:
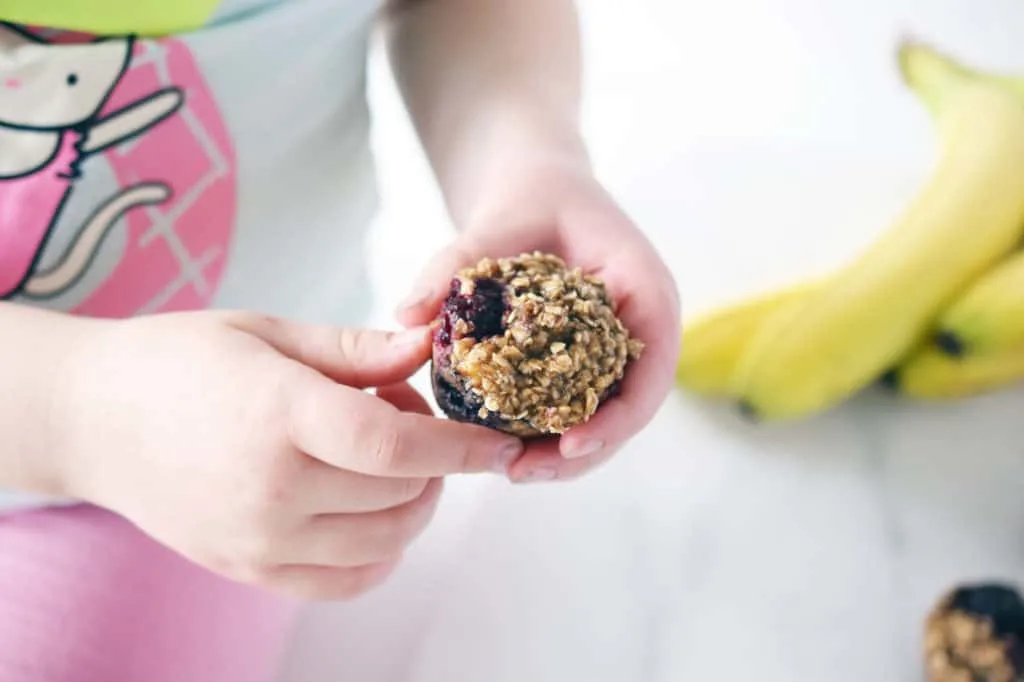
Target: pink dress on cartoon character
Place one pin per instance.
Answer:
(27, 207)
(53, 116)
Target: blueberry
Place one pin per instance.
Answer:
(998, 603)
(462, 405)
(483, 310)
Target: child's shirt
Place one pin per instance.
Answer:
(198, 153)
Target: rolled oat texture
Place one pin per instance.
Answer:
(528, 346)
(976, 634)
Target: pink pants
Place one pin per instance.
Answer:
(86, 597)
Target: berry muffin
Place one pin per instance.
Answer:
(976, 634)
(527, 346)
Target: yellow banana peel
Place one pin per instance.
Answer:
(931, 374)
(989, 316)
(871, 313)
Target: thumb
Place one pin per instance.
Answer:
(359, 358)
(431, 287)
(470, 246)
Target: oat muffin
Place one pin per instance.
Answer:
(527, 346)
(976, 634)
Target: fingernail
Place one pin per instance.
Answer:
(585, 449)
(537, 475)
(508, 454)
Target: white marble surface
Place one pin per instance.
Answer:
(713, 550)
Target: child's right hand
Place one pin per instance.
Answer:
(247, 444)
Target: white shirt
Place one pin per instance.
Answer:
(225, 167)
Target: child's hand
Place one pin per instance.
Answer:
(555, 204)
(246, 444)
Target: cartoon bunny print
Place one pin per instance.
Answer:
(51, 103)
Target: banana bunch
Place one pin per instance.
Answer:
(935, 307)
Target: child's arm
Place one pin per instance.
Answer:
(35, 349)
(493, 87)
(485, 79)
(249, 444)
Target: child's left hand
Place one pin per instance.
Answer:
(557, 205)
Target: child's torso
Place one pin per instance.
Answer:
(226, 164)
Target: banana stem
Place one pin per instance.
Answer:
(932, 75)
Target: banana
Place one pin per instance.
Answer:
(989, 316)
(931, 374)
(875, 310)
(713, 343)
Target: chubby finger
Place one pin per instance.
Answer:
(649, 309)
(575, 468)
(404, 397)
(493, 240)
(621, 417)
(329, 490)
(540, 461)
(431, 286)
(544, 462)
(414, 445)
(347, 540)
(354, 357)
(359, 432)
(321, 583)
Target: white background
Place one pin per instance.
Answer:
(712, 550)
